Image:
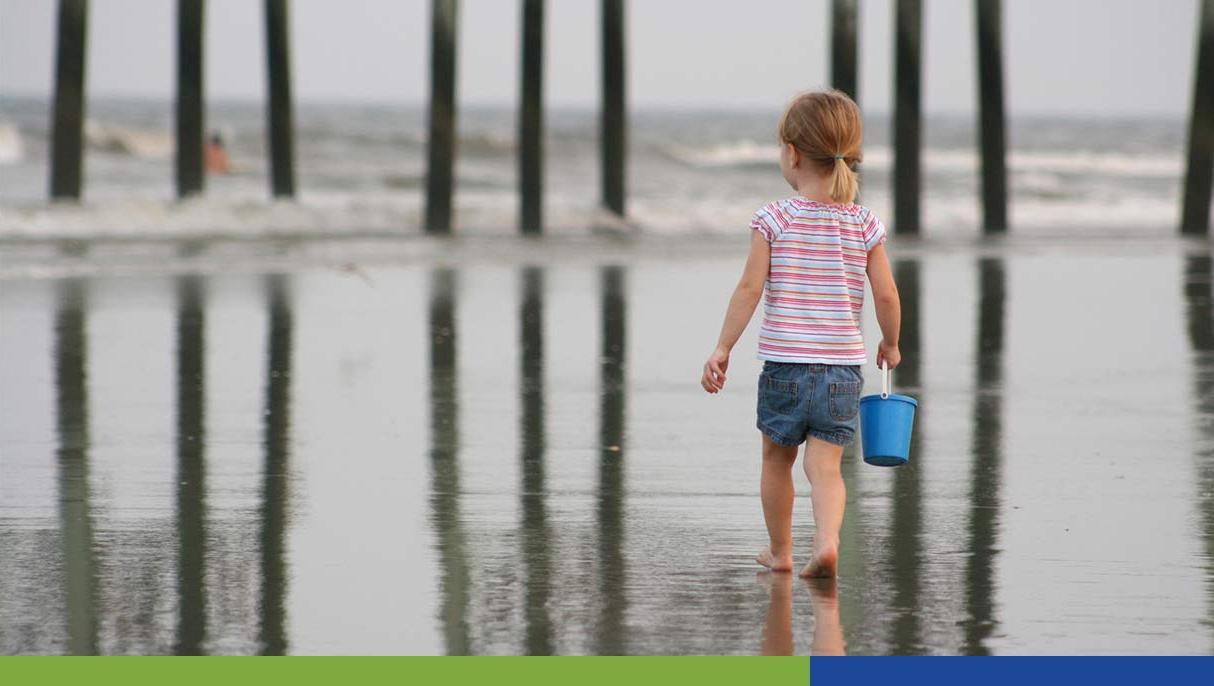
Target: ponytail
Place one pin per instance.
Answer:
(843, 182)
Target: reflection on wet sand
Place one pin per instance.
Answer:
(907, 525)
(276, 440)
(75, 515)
(1199, 309)
(191, 488)
(777, 630)
(778, 635)
(613, 602)
(1199, 316)
(828, 628)
(444, 455)
(986, 458)
(534, 527)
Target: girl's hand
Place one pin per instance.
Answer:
(888, 354)
(714, 370)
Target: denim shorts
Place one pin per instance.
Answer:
(819, 400)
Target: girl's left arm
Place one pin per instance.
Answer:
(741, 308)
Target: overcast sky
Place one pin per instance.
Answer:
(1114, 57)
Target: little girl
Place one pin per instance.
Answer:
(811, 251)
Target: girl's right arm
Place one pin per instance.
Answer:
(741, 308)
(889, 306)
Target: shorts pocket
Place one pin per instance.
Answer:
(777, 401)
(844, 400)
(767, 383)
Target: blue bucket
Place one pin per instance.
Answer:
(886, 421)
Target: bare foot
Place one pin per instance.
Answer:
(782, 563)
(823, 565)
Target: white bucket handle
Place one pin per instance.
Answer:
(885, 381)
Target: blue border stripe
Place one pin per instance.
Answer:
(1020, 671)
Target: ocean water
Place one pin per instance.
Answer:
(362, 169)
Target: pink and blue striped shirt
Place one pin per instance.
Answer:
(815, 283)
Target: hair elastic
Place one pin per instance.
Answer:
(838, 157)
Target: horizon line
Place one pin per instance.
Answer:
(644, 107)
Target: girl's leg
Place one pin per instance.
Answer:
(777, 492)
(823, 462)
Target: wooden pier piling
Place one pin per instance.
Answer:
(843, 53)
(280, 118)
(989, 17)
(1199, 176)
(531, 121)
(908, 64)
(67, 136)
(441, 163)
(191, 123)
(614, 126)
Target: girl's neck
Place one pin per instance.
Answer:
(814, 187)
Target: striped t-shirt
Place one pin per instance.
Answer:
(815, 284)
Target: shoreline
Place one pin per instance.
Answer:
(53, 256)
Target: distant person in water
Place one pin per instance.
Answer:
(217, 161)
(811, 252)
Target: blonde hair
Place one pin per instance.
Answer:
(825, 127)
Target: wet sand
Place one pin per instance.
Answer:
(501, 446)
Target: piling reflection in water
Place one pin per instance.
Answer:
(535, 533)
(534, 523)
(276, 441)
(75, 516)
(444, 465)
(110, 580)
(1198, 308)
(907, 526)
(1199, 315)
(986, 455)
(613, 602)
(191, 439)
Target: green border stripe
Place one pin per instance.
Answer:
(531, 671)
